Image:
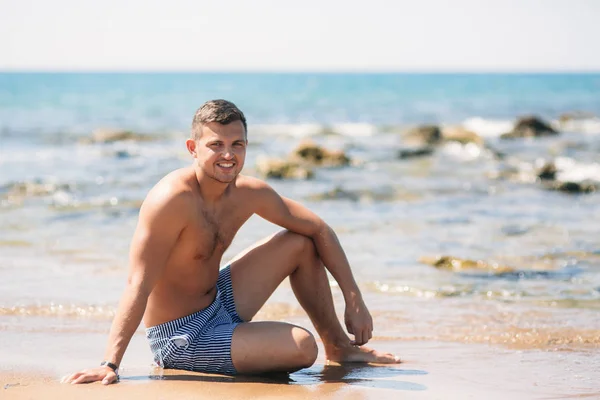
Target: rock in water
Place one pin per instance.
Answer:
(283, 169)
(575, 115)
(423, 135)
(547, 172)
(461, 265)
(461, 135)
(416, 152)
(530, 126)
(573, 187)
(313, 154)
(115, 135)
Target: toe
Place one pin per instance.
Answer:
(389, 359)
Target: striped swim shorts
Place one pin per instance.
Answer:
(201, 341)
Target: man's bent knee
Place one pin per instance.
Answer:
(307, 347)
(299, 243)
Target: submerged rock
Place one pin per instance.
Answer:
(461, 135)
(423, 135)
(337, 193)
(302, 161)
(313, 154)
(15, 194)
(461, 265)
(547, 171)
(416, 152)
(283, 169)
(362, 195)
(422, 140)
(574, 116)
(328, 131)
(115, 135)
(35, 188)
(573, 187)
(530, 126)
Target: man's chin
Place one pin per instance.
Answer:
(225, 179)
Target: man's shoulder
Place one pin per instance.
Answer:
(173, 190)
(253, 188)
(256, 192)
(251, 183)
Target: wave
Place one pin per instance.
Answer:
(570, 170)
(579, 298)
(315, 129)
(61, 196)
(493, 128)
(61, 310)
(488, 127)
(271, 311)
(100, 141)
(584, 125)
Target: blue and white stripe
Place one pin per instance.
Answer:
(201, 341)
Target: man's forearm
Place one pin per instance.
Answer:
(127, 319)
(334, 258)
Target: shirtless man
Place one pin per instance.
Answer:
(198, 316)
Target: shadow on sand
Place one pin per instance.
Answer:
(371, 376)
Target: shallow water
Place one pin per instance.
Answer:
(68, 209)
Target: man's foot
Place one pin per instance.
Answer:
(359, 354)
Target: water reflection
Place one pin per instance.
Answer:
(364, 375)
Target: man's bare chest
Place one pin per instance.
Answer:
(210, 233)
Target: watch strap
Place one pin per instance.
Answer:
(110, 365)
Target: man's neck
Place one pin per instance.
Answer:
(211, 190)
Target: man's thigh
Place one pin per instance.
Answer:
(258, 347)
(258, 271)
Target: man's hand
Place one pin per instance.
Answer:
(358, 321)
(104, 374)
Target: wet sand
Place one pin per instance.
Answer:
(431, 370)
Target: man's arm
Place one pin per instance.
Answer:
(297, 218)
(160, 223)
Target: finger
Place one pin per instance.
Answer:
(349, 329)
(80, 379)
(365, 336)
(109, 378)
(85, 378)
(358, 338)
(69, 378)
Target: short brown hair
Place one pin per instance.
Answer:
(221, 111)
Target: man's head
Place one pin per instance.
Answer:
(221, 111)
(218, 140)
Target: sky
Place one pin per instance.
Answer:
(307, 35)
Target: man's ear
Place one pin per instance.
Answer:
(191, 146)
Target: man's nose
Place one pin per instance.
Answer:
(228, 153)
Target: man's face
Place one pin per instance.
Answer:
(221, 150)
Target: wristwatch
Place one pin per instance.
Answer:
(110, 365)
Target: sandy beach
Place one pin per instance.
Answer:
(431, 370)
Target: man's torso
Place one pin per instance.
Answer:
(188, 282)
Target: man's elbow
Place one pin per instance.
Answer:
(321, 231)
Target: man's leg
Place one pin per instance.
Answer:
(255, 275)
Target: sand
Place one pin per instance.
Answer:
(430, 371)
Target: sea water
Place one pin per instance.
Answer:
(68, 207)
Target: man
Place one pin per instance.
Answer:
(197, 316)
